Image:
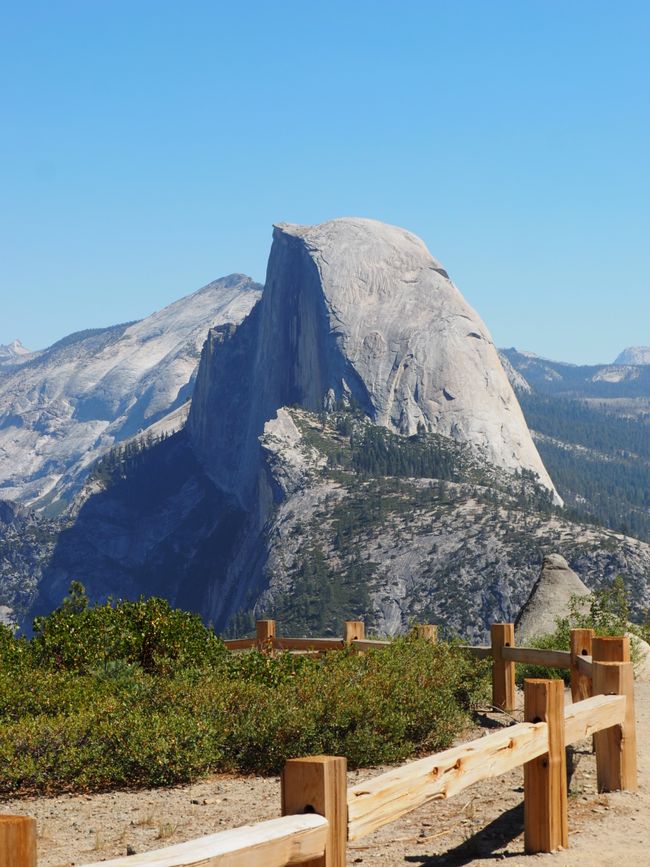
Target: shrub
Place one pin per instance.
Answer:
(149, 633)
(84, 707)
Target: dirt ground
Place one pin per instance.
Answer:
(482, 825)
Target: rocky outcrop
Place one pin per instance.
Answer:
(27, 542)
(549, 599)
(290, 463)
(360, 312)
(61, 408)
(515, 378)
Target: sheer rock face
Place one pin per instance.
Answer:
(549, 599)
(354, 309)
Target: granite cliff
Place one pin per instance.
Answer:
(359, 312)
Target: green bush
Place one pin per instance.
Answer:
(83, 707)
(148, 633)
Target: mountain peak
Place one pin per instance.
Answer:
(358, 311)
(362, 239)
(634, 355)
(12, 350)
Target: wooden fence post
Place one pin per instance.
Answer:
(428, 631)
(611, 648)
(18, 841)
(546, 823)
(354, 630)
(581, 645)
(616, 746)
(318, 784)
(265, 630)
(503, 671)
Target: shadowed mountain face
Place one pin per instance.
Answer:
(63, 407)
(159, 528)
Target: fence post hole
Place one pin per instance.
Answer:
(265, 630)
(611, 648)
(616, 746)
(503, 671)
(546, 823)
(318, 784)
(18, 841)
(354, 630)
(428, 631)
(581, 645)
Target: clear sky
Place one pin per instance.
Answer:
(146, 147)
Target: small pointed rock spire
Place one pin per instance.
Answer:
(549, 599)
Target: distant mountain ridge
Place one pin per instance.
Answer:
(591, 424)
(616, 384)
(63, 407)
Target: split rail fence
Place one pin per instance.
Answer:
(321, 814)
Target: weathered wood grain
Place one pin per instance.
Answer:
(289, 840)
(581, 641)
(503, 670)
(616, 766)
(584, 666)
(397, 792)
(592, 715)
(17, 841)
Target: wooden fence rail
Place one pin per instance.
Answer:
(321, 814)
(354, 636)
(289, 840)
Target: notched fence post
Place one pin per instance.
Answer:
(354, 630)
(546, 823)
(503, 671)
(581, 645)
(318, 784)
(427, 631)
(616, 746)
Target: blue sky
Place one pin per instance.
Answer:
(147, 147)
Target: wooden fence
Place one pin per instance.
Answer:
(321, 814)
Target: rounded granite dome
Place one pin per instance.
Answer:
(420, 355)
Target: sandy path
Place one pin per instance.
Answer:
(482, 825)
